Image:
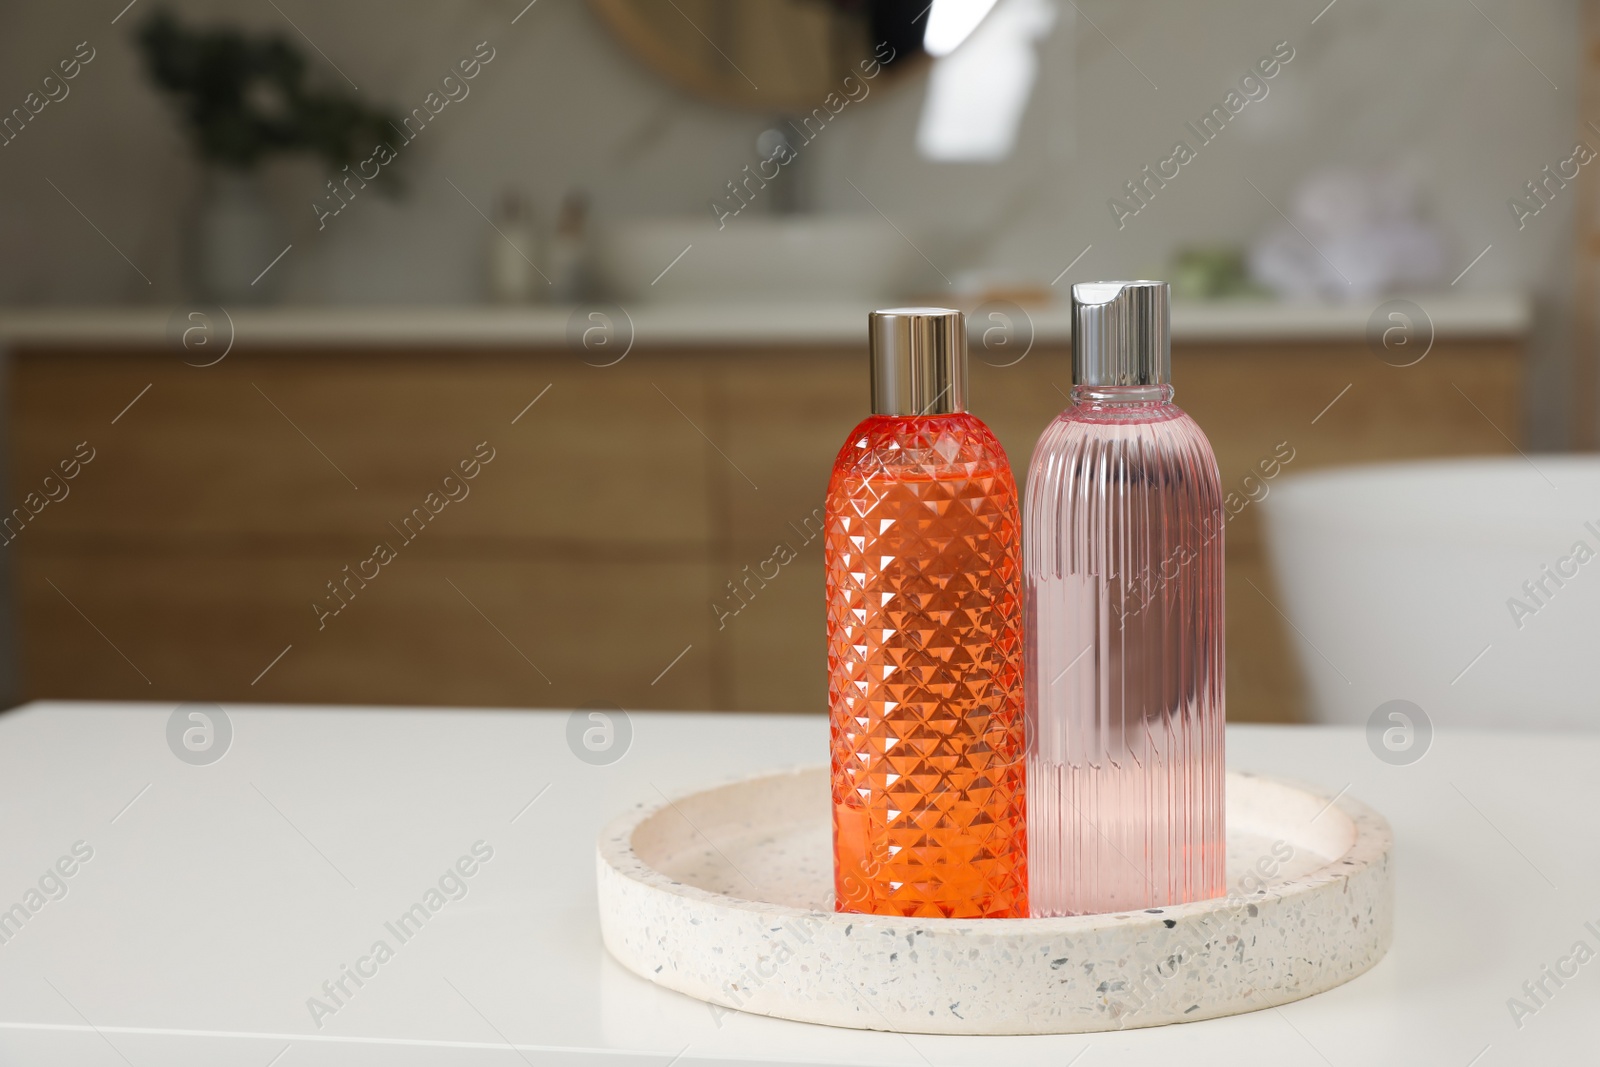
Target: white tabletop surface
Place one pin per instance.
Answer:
(219, 898)
(1456, 315)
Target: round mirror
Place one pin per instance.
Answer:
(786, 55)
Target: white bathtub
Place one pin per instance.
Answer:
(1407, 582)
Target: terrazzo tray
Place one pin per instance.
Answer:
(726, 895)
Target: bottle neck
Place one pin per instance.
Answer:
(1121, 396)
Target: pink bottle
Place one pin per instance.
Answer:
(1122, 543)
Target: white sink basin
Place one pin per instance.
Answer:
(754, 257)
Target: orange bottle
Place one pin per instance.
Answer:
(925, 652)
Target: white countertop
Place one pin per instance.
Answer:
(219, 898)
(1457, 315)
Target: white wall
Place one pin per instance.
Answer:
(1429, 85)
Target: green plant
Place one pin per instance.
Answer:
(245, 97)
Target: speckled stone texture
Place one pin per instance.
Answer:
(726, 895)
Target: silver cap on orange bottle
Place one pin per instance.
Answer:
(1121, 333)
(919, 361)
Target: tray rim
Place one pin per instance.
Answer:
(1373, 843)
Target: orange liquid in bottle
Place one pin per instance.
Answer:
(925, 662)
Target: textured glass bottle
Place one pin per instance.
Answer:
(1123, 529)
(925, 654)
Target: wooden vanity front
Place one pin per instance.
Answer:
(297, 523)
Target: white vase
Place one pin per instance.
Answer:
(236, 236)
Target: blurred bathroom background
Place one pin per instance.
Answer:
(625, 249)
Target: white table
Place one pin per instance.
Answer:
(220, 900)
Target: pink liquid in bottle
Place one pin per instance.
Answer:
(1123, 536)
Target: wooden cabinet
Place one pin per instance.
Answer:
(223, 543)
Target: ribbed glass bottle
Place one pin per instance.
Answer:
(1124, 534)
(925, 656)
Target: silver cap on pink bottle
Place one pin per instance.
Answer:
(1121, 333)
(919, 361)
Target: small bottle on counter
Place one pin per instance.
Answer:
(567, 263)
(1124, 526)
(923, 555)
(513, 252)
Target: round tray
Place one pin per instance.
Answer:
(726, 895)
